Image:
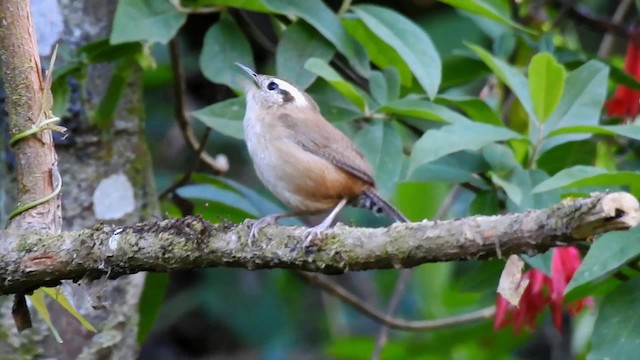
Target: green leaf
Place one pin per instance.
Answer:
(483, 9)
(581, 103)
(60, 298)
(546, 83)
(297, 44)
(459, 70)
(475, 108)
(322, 69)
(424, 109)
(253, 5)
(37, 300)
(392, 78)
(629, 131)
(567, 155)
(224, 44)
(224, 117)
(541, 262)
(615, 332)
(217, 195)
(146, 20)
(580, 175)
(151, 300)
(608, 253)
(509, 75)
(378, 87)
(485, 203)
(381, 53)
(518, 186)
(455, 168)
(105, 112)
(452, 138)
(409, 40)
(103, 51)
(320, 16)
(382, 146)
(500, 158)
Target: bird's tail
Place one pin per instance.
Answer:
(369, 199)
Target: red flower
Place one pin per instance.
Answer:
(626, 102)
(541, 291)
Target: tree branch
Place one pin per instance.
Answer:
(29, 260)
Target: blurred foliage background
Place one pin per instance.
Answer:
(463, 107)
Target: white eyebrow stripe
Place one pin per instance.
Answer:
(299, 98)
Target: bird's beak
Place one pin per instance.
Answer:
(253, 74)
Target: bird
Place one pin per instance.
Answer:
(306, 162)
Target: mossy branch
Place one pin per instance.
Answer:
(29, 260)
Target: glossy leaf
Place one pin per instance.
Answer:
(224, 44)
(151, 300)
(519, 184)
(424, 109)
(392, 78)
(607, 254)
(322, 69)
(455, 168)
(629, 131)
(215, 194)
(475, 108)
(378, 87)
(252, 5)
(577, 176)
(459, 70)
(485, 10)
(224, 117)
(566, 155)
(409, 40)
(546, 84)
(297, 44)
(381, 53)
(320, 16)
(581, 102)
(452, 138)
(146, 20)
(615, 332)
(382, 146)
(509, 75)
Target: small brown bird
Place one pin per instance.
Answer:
(302, 159)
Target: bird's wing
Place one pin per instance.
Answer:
(317, 136)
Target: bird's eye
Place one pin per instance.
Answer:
(272, 86)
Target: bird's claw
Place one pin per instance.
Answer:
(257, 225)
(313, 236)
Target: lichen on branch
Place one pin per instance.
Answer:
(29, 260)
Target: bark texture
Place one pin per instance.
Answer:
(111, 251)
(96, 168)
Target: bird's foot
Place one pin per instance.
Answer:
(313, 236)
(257, 225)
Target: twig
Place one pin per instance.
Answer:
(194, 166)
(607, 41)
(595, 22)
(405, 276)
(216, 165)
(395, 323)
(346, 4)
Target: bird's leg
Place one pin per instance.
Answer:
(315, 232)
(257, 225)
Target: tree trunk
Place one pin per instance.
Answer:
(96, 169)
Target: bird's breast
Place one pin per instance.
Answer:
(300, 179)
